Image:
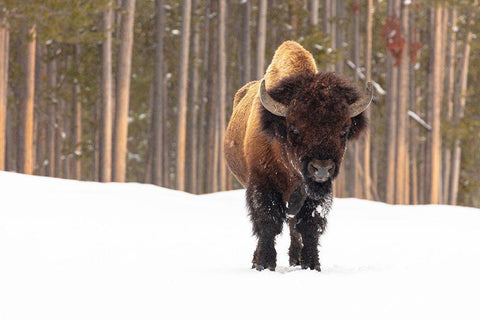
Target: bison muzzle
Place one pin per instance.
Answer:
(285, 143)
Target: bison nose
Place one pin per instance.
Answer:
(320, 170)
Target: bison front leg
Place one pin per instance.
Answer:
(267, 214)
(295, 250)
(310, 224)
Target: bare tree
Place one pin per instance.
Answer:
(193, 127)
(246, 44)
(436, 103)
(261, 37)
(222, 91)
(327, 15)
(211, 181)
(123, 92)
(314, 13)
(459, 107)
(158, 111)
(368, 77)
(182, 94)
(107, 105)
(401, 189)
(392, 77)
(76, 128)
(25, 154)
(449, 94)
(3, 89)
(414, 130)
(355, 168)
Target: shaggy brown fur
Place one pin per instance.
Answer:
(272, 155)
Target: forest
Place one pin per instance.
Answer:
(142, 91)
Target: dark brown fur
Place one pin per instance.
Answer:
(269, 154)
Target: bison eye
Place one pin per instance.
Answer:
(294, 133)
(344, 131)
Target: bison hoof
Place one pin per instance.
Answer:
(294, 262)
(259, 267)
(312, 267)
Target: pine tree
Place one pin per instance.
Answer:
(123, 93)
(105, 153)
(182, 94)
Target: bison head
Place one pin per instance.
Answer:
(313, 115)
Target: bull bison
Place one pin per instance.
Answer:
(285, 142)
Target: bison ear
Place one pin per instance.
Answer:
(274, 126)
(273, 122)
(359, 125)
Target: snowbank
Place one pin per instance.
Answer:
(79, 250)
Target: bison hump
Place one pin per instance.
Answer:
(290, 58)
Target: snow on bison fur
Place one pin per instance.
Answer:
(285, 143)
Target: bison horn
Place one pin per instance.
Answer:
(362, 104)
(270, 104)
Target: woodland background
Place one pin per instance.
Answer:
(142, 90)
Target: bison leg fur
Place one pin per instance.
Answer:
(310, 224)
(295, 250)
(267, 214)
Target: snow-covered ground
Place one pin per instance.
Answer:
(78, 250)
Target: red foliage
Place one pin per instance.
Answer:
(355, 6)
(414, 48)
(393, 35)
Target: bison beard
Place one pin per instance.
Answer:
(318, 190)
(285, 143)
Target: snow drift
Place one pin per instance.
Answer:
(83, 250)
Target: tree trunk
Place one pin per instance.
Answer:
(246, 42)
(313, 14)
(327, 25)
(449, 93)
(436, 104)
(459, 107)
(77, 122)
(222, 93)
(414, 132)
(123, 92)
(195, 102)
(203, 137)
(261, 38)
(355, 173)
(105, 154)
(338, 34)
(368, 77)
(327, 16)
(58, 114)
(5, 95)
(392, 77)
(51, 121)
(40, 121)
(26, 141)
(3, 90)
(158, 121)
(182, 94)
(401, 187)
(212, 74)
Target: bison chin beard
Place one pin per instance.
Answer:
(318, 190)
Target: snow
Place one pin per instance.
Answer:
(84, 250)
(378, 87)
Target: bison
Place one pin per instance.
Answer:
(285, 142)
